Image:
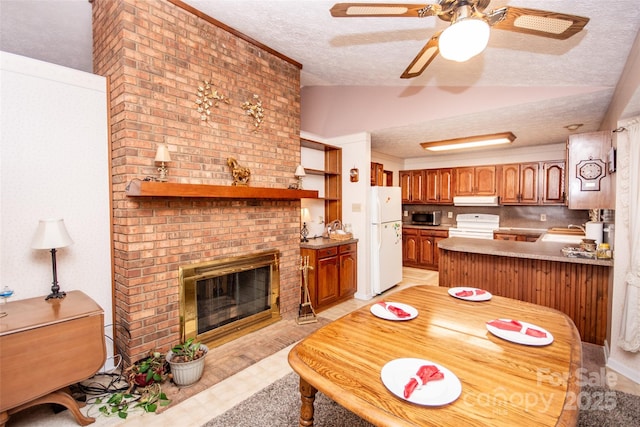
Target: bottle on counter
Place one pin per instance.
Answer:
(603, 251)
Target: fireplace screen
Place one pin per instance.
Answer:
(224, 299)
(234, 296)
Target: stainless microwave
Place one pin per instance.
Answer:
(426, 218)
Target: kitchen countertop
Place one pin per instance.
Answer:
(551, 251)
(323, 242)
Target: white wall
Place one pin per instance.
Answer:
(356, 152)
(54, 164)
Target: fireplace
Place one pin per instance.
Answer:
(223, 299)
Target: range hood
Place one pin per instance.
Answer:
(476, 201)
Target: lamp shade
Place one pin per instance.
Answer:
(305, 215)
(51, 234)
(162, 155)
(299, 171)
(464, 39)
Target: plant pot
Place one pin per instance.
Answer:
(187, 373)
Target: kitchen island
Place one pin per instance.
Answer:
(535, 272)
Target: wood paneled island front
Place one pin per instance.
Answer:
(535, 272)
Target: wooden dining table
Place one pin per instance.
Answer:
(503, 383)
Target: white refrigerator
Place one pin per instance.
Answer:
(386, 238)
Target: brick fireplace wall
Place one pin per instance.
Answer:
(156, 53)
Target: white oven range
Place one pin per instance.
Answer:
(475, 226)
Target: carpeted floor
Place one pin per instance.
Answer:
(279, 405)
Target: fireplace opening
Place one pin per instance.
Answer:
(223, 299)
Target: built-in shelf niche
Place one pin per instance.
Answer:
(323, 168)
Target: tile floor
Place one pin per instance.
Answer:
(222, 396)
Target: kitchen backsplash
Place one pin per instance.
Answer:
(510, 216)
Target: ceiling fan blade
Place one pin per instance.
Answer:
(423, 59)
(537, 22)
(376, 10)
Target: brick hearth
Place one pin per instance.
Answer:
(156, 53)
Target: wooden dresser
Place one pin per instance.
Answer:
(46, 346)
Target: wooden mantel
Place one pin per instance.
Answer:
(138, 188)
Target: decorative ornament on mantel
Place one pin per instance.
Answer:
(239, 173)
(208, 97)
(254, 110)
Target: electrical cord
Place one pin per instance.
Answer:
(116, 383)
(146, 178)
(113, 382)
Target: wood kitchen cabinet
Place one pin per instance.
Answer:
(410, 246)
(377, 174)
(519, 184)
(348, 269)
(420, 247)
(589, 182)
(476, 181)
(439, 186)
(334, 277)
(412, 184)
(553, 183)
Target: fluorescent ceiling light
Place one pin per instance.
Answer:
(470, 142)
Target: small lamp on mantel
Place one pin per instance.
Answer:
(306, 217)
(52, 234)
(162, 156)
(299, 173)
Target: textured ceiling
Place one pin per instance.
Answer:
(529, 85)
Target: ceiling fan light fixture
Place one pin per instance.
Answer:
(470, 142)
(464, 39)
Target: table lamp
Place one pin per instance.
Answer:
(162, 155)
(52, 234)
(306, 217)
(299, 173)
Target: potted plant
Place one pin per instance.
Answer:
(187, 362)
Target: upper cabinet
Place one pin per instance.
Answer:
(588, 178)
(439, 186)
(432, 186)
(553, 185)
(412, 184)
(476, 181)
(534, 183)
(380, 176)
(519, 184)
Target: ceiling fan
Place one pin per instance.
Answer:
(468, 33)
